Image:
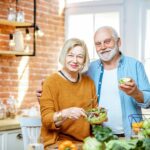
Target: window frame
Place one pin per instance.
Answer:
(92, 3)
(97, 7)
(143, 21)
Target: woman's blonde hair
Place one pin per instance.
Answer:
(69, 44)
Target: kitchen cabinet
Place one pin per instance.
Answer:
(8, 27)
(10, 134)
(11, 140)
(1, 141)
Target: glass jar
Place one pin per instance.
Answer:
(20, 16)
(11, 14)
(11, 107)
(2, 110)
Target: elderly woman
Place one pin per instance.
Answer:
(66, 95)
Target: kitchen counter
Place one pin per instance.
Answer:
(9, 124)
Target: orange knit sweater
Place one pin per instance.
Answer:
(59, 94)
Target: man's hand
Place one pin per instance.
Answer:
(39, 91)
(131, 89)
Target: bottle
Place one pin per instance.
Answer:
(2, 110)
(11, 107)
(11, 14)
(20, 15)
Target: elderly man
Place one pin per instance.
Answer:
(107, 71)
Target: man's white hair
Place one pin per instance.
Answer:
(114, 32)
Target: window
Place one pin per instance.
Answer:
(147, 36)
(145, 45)
(82, 22)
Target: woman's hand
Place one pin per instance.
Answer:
(68, 113)
(73, 113)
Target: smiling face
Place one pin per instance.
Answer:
(75, 59)
(74, 56)
(106, 45)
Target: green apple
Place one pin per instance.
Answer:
(146, 124)
(147, 131)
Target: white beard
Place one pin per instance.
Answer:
(108, 54)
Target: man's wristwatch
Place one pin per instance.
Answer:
(59, 116)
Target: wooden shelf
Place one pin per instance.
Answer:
(16, 53)
(14, 23)
(8, 27)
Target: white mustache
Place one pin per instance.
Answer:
(108, 50)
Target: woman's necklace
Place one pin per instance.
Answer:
(68, 78)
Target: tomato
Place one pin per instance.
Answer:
(67, 145)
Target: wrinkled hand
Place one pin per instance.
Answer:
(73, 113)
(131, 89)
(39, 91)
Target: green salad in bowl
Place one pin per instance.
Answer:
(96, 115)
(124, 80)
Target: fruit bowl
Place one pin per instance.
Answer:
(96, 115)
(140, 124)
